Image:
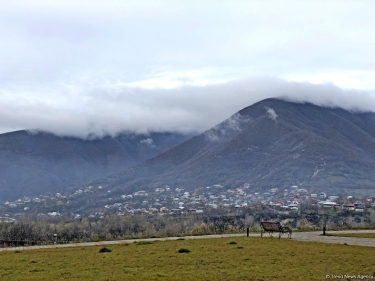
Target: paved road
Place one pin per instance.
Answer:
(299, 236)
(316, 236)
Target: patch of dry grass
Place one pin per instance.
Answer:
(252, 258)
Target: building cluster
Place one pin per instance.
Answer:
(166, 200)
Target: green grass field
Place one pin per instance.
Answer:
(249, 258)
(359, 235)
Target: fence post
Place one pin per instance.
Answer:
(247, 231)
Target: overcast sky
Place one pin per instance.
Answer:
(101, 67)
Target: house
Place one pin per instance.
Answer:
(357, 204)
(153, 210)
(322, 195)
(330, 204)
(348, 206)
(54, 214)
(163, 210)
(294, 204)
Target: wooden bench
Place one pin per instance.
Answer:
(274, 226)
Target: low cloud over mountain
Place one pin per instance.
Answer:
(310, 146)
(89, 112)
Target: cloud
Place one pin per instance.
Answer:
(225, 129)
(271, 113)
(83, 111)
(94, 68)
(149, 142)
(45, 42)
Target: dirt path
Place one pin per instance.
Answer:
(299, 236)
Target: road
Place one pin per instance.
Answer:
(314, 236)
(317, 237)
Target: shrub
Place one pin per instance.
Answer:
(201, 229)
(256, 228)
(93, 238)
(145, 242)
(105, 250)
(184, 250)
(357, 219)
(232, 242)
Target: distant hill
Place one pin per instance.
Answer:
(272, 143)
(35, 163)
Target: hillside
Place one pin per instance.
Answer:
(273, 143)
(35, 163)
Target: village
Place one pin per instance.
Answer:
(170, 201)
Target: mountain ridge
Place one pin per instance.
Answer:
(308, 145)
(33, 163)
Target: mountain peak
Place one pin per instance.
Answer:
(272, 143)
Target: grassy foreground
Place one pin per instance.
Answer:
(240, 258)
(359, 235)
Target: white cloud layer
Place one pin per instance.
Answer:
(99, 67)
(112, 109)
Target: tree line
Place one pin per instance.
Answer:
(34, 229)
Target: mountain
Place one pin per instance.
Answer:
(35, 163)
(272, 143)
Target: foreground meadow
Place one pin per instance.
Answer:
(240, 258)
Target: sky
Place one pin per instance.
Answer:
(80, 68)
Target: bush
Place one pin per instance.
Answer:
(93, 238)
(232, 242)
(201, 229)
(256, 228)
(105, 250)
(357, 219)
(145, 243)
(184, 250)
